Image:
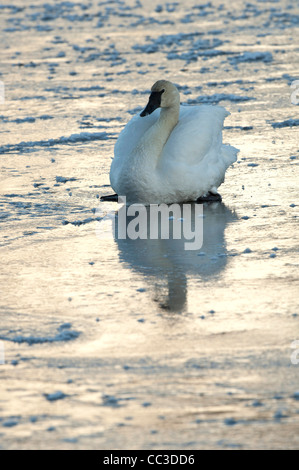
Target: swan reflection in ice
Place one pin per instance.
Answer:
(165, 263)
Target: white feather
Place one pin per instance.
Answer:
(193, 160)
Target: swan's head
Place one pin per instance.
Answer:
(164, 94)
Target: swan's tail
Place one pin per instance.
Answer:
(229, 154)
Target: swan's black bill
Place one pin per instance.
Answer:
(154, 102)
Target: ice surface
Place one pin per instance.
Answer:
(251, 57)
(61, 336)
(286, 123)
(141, 344)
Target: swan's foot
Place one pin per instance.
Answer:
(209, 197)
(110, 197)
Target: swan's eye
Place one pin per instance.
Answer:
(162, 91)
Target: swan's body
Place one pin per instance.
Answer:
(172, 155)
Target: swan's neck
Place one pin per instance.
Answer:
(151, 144)
(168, 120)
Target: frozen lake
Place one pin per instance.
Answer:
(116, 344)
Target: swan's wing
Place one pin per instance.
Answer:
(198, 131)
(132, 133)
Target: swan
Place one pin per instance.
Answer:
(171, 153)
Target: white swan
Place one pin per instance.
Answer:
(171, 155)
